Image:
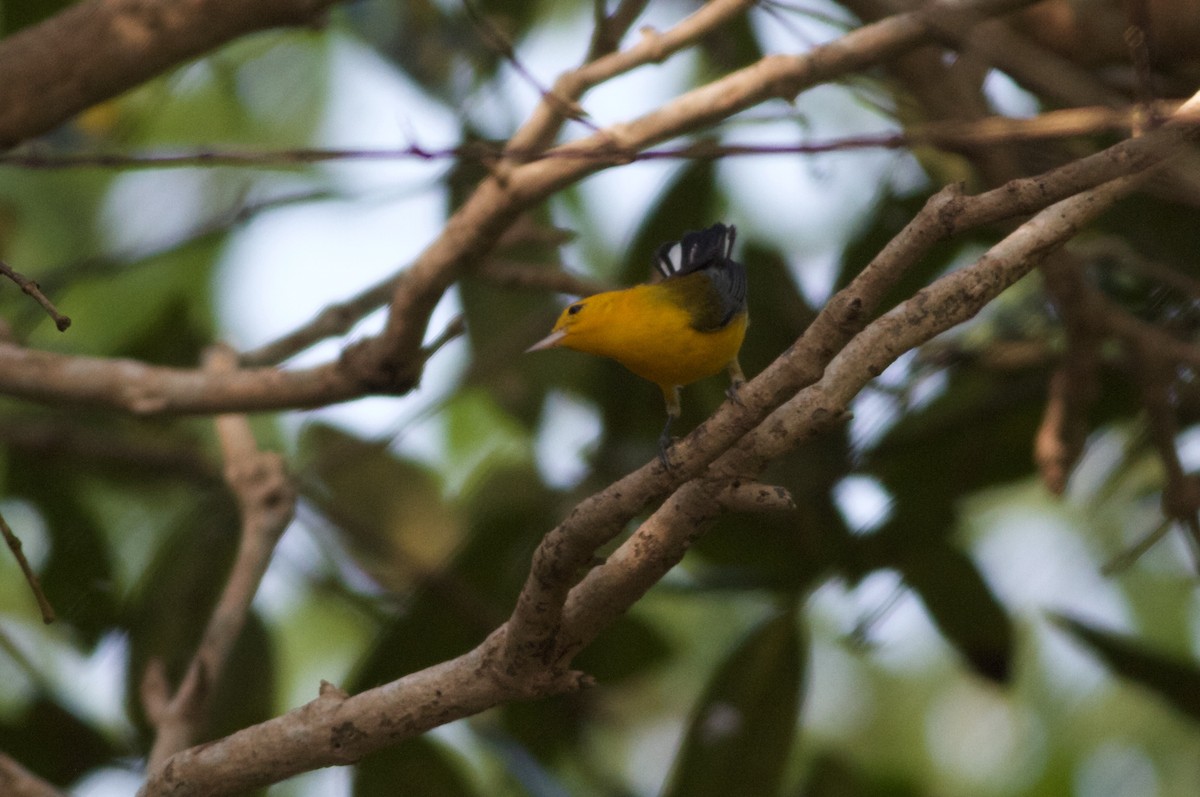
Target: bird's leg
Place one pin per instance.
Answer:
(671, 394)
(736, 380)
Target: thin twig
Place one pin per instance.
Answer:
(14, 545)
(568, 107)
(1051, 125)
(31, 289)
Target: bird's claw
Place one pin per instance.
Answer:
(664, 452)
(731, 392)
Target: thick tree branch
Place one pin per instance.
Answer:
(97, 49)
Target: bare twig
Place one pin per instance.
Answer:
(567, 107)
(266, 500)
(16, 781)
(989, 131)
(30, 288)
(14, 545)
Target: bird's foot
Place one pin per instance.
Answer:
(664, 450)
(731, 392)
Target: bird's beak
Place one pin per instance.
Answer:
(548, 342)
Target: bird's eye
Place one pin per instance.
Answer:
(575, 308)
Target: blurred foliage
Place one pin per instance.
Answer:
(887, 637)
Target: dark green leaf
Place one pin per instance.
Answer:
(172, 605)
(454, 608)
(740, 735)
(54, 743)
(833, 775)
(417, 766)
(964, 608)
(78, 577)
(1174, 679)
(245, 694)
(389, 511)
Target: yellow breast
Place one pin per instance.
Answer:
(648, 332)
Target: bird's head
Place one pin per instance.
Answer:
(571, 328)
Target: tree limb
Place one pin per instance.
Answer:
(16, 781)
(97, 49)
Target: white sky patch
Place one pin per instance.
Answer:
(29, 527)
(983, 741)
(1008, 98)
(568, 429)
(864, 503)
(901, 634)
(372, 105)
(1188, 443)
(1116, 768)
(147, 211)
(875, 412)
(838, 698)
(109, 782)
(1037, 562)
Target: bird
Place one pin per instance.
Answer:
(688, 326)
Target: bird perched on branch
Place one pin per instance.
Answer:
(674, 332)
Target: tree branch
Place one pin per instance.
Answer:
(31, 288)
(35, 586)
(97, 49)
(16, 781)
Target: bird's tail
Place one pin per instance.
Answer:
(697, 250)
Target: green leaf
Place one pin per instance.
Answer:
(419, 766)
(171, 606)
(388, 510)
(964, 608)
(741, 732)
(1176, 680)
(454, 608)
(834, 775)
(54, 743)
(245, 694)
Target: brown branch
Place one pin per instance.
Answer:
(31, 288)
(16, 781)
(97, 49)
(266, 499)
(140, 389)
(35, 586)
